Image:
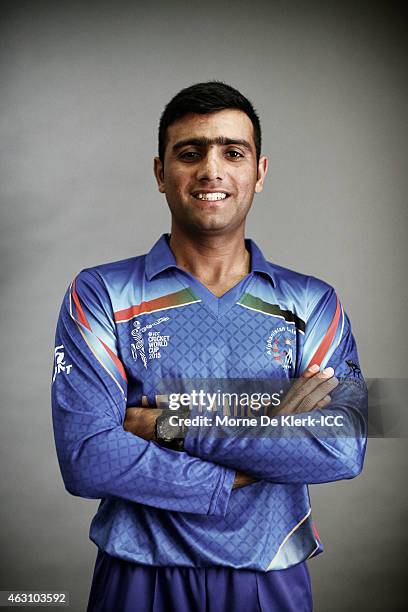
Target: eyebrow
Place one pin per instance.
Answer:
(206, 142)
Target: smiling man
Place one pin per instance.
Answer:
(194, 518)
(211, 171)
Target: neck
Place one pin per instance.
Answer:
(211, 258)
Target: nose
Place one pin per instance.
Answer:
(211, 166)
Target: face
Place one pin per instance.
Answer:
(210, 173)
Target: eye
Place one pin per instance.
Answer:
(234, 154)
(189, 155)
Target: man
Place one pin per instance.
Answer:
(194, 517)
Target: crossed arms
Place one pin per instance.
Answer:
(278, 458)
(100, 455)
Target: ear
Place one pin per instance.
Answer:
(262, 170)
(159, 174)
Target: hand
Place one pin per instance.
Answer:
(141, 421)
(311, 390)
(242, 480)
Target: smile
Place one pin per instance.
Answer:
(210, 196)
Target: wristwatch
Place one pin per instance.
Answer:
(171, 435)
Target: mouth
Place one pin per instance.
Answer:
(210, 196)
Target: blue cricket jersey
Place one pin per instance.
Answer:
(124, 328)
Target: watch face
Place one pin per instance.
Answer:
(165, 431)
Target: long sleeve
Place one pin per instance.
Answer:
(97, 457)
(307, 453)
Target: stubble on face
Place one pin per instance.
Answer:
(209, 157)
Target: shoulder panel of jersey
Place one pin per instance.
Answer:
(310, 303)
(88, 304)
(131, 294)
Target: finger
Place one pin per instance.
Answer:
(317, 395)
(309, 386)
(324, 402)
(306, 386)
(299, 382)
(311, 371)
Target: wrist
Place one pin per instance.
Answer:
(170, 428)
(140, 421)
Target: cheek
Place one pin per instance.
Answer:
(246, 185)
(177, 181)
(246, 178)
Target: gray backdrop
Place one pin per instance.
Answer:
(83, 86)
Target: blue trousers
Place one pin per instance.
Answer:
(123, 586)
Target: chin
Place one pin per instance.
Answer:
(192, 223)
(213, 229)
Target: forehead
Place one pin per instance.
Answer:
(230, 123)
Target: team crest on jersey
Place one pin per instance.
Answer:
(146, 346)
(281, 346)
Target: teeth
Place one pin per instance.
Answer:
(211, 196)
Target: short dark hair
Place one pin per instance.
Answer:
(205, 98)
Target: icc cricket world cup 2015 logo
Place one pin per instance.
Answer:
(137, 347)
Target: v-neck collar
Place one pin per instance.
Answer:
(217, 305)
(161, 258)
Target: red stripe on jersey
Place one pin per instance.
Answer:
(133, 311)
(115, 359)
(84, 321)
(81, 315)
(327, 340)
